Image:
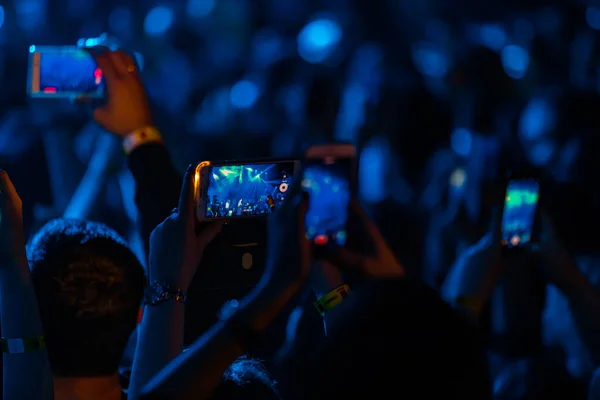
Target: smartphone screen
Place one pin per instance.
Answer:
(328, 185)
(519, 212)
(247, 190)
(64, 72)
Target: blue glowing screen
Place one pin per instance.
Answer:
(519, 212)
(247, 190)
(69, 73)
(329, 190)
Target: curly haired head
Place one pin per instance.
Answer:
(89, 286)
(246, 378)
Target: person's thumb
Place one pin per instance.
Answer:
(209, 232)
(101, 115)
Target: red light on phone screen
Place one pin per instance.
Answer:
(321, 240)
(98, 75)
(49, 90)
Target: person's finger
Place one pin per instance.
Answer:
(210, 232)
(371, 230)
(105, 63)
(127, 63)
(101, 114)
(186, 198)
(301, 216)
(122, 62)
(7, 190)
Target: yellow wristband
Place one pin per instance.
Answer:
(332, 299)
(139, 137)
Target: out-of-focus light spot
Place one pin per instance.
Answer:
(199, 8)
(158, 21)
(541, 153)
(373, 168)
(536, 121)
(119, 19)
(32, 49)
(91, 42)
(30, 13)
(352, 113)
(515, 61)
(429, 60)
(592, 17)
(492, 36)
(1, 16)
(461, 141)
(268, 48)
(458, 178)
(97, 76)
(318, 40)
(244, 94)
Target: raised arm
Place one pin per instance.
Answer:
(196, 373)
(175, 252)
(127, 115)
(584, 300)
(27, 373)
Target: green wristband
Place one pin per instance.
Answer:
(23, 345)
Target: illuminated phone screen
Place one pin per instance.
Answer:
(65, 72)
(519, 212)
(329, 188)
(247, 190)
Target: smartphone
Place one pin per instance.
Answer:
(242, 189)
(520, 211)
(329, 175)
(63, 72)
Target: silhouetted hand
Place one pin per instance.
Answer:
(175, 246)
(289, 252)
(127, 107)
(556, 263)
(12, 239)
(381, 264)
(477, 271)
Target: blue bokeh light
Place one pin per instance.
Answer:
(372, 176)
(492, 36)
(318, 40)
(541, 153)
(1, 16)
(429, 60)
(515, 61)
(537, 120)
(592, 17)
(244, 94)
(200, 8)
(461, 141)
(158, 21)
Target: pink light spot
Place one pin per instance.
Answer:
(98, 75)
(49, 90)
